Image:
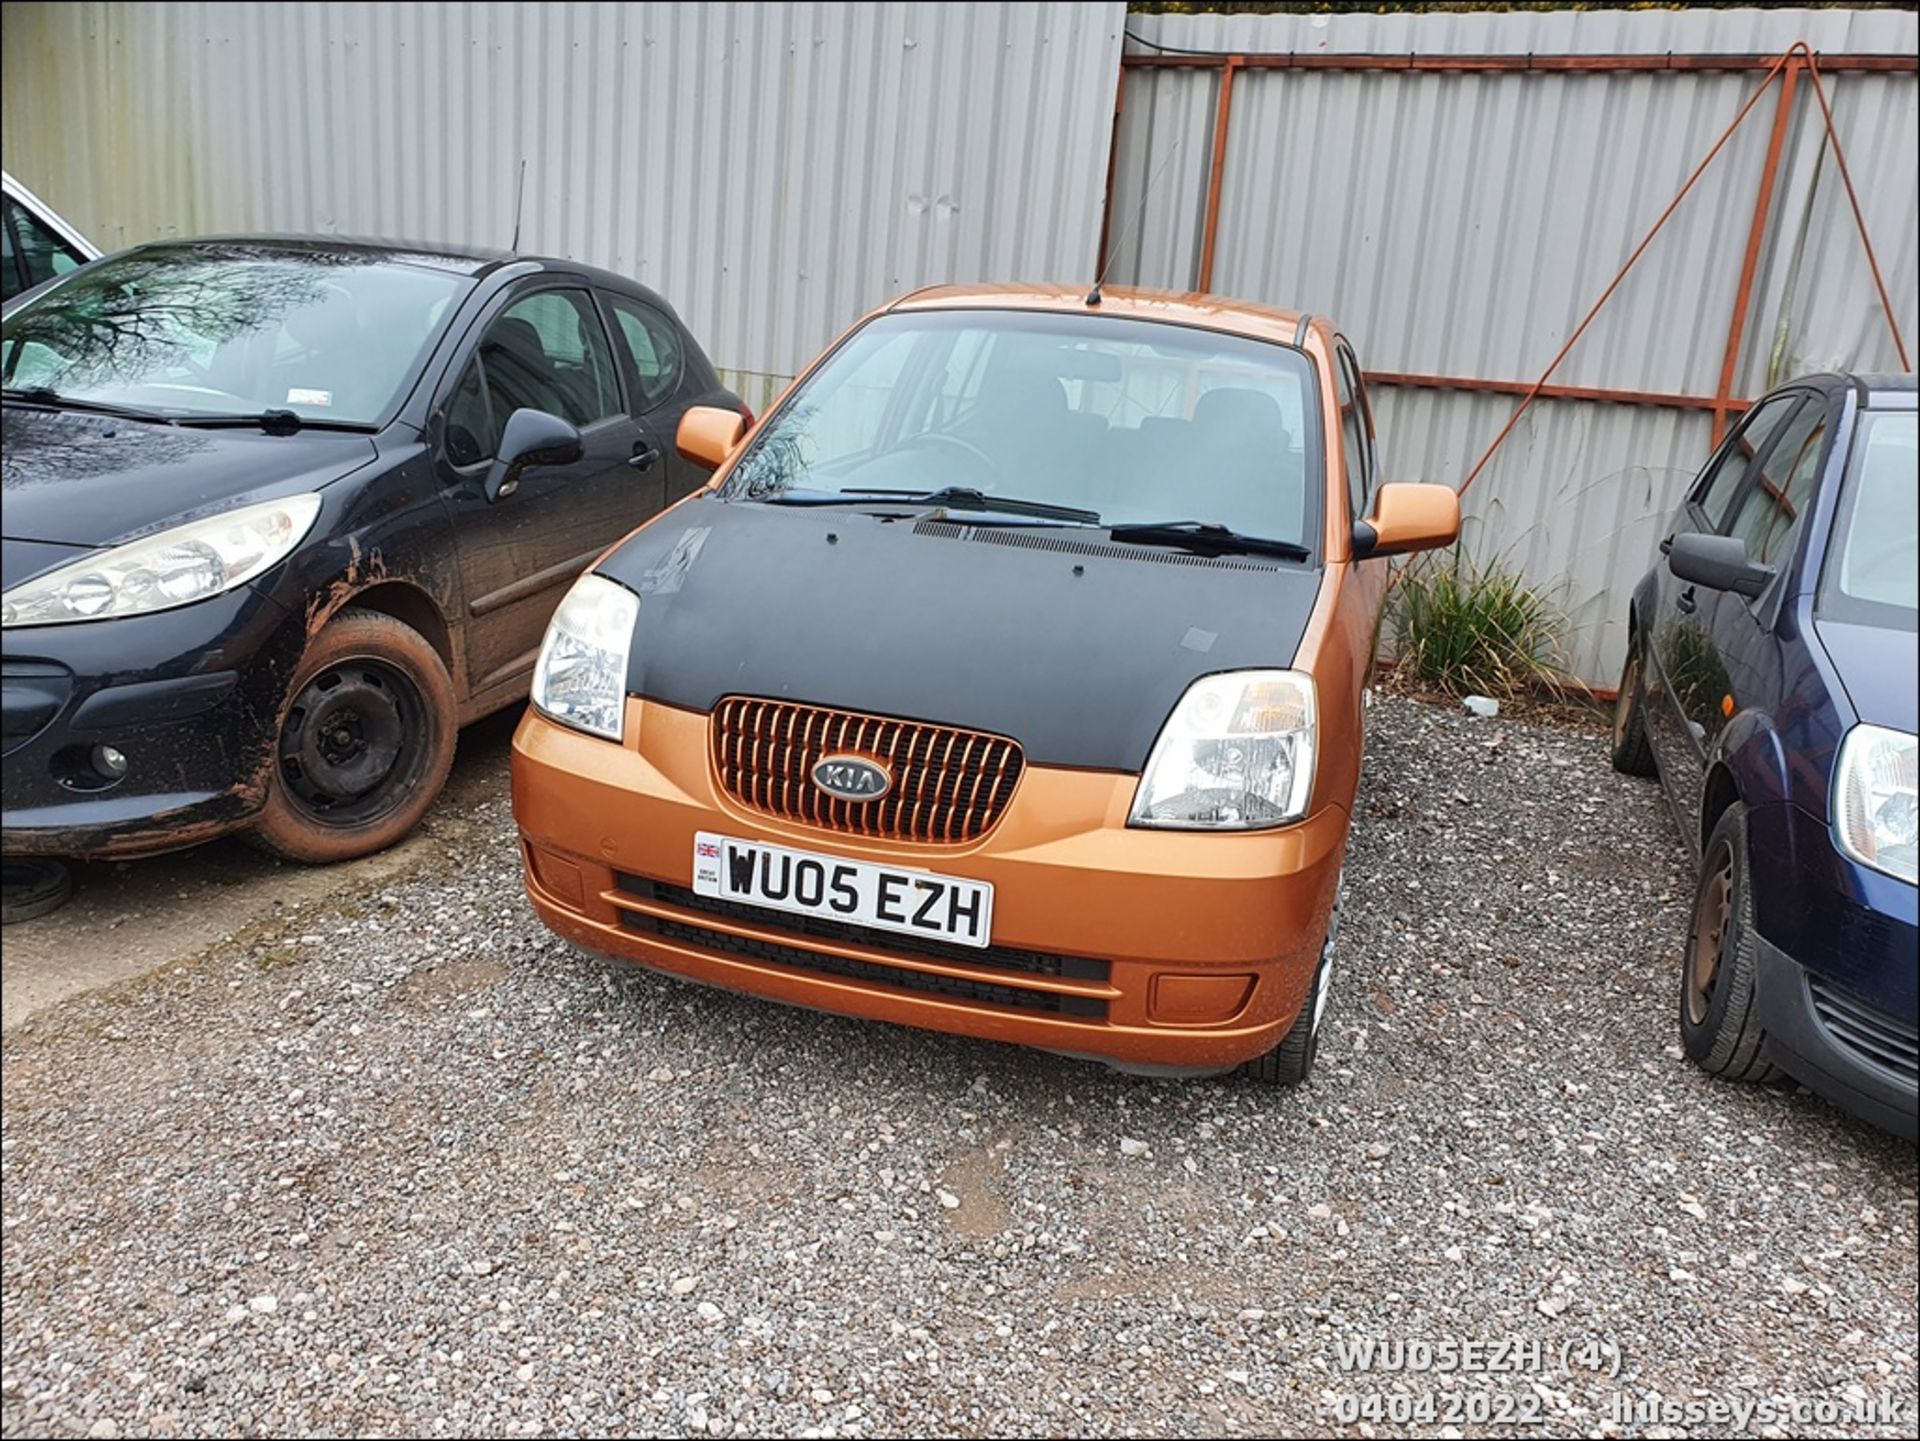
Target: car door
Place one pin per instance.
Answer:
(1768, 517)
(544, 346)
(1688, 707)
(653, 355)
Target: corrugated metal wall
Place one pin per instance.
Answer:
(1461, 224)
(778, 168)
(774, 169)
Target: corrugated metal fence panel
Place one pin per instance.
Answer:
(1461, 224)
(773, 169)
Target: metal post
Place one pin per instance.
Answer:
(1756, 237)
(1217, 177)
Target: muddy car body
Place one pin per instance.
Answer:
(282, 514)
(906, 711)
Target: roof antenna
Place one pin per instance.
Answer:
(1140, 210)
(519, 194)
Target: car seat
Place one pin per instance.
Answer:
(1243, 469)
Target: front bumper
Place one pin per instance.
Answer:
(189, 696)
(1860, 1058)
(1175, 953)
(1836, 983)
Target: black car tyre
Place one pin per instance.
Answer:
(1632, 752)
(1291, 1062)
(33, 886)
(1719, 1030)
(365, 742)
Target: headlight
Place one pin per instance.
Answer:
(176, 567)
(1236, 754)
(581, 677)
(1874, 812)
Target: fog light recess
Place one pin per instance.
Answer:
(1199, 1000)
(90, 767)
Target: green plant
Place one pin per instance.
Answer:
(1483, 630)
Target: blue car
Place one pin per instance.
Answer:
(1770, 685)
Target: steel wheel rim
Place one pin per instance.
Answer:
(1707, 942)
(1623, 703)
(353, 743)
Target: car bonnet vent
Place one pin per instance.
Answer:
(1047, 540)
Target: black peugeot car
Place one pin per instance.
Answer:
(1770, 683)
(280, 515)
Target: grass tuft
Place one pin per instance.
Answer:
(1477, 631)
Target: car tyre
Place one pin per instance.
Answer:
(33, 886)
(1291, 1062)
(365, 741)
(1719, 1028)
(1632, 751)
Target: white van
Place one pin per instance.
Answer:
(38, 243)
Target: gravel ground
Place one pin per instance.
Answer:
(414, 1167)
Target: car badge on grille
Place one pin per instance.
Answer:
(851, 778)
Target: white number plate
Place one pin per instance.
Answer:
(891, 898)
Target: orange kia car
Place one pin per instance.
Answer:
(1005, 680)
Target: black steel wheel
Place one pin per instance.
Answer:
(365, 742)
(351, 748)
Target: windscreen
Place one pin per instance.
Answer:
(1132, 420)
(209, 331)
(1870, 575)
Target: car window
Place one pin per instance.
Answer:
(548, 351)
(653, 346)
(1717, 486)
(233, 329)
(1768, 514)
(40, 253)
(1870, 577)
(1135, 420)
(470, 436)
(11, 282)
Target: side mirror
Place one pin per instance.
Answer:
(1719, 562)
(532, 437)
(1407, 518)
(708, 434)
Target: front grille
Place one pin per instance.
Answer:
(949, 785)
(801, 958)
(1868, 1032)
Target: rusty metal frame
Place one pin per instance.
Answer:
(1522, 64)
(1756, 237)
(1217, 172)
(1723, 404)
(1606, 394)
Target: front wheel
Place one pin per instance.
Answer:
(364, 745)
(1719, 1026)
(1291, 1062)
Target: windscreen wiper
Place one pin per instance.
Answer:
(274, 422)
(1207, 537)
(47, 396)
(961, 497)
(951, 497)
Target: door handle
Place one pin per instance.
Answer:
(1686, 601)
(645, 453)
